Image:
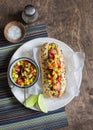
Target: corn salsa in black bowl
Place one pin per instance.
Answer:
(23, 72)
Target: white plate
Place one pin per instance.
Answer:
(26, 50)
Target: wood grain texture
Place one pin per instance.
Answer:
(70, 21)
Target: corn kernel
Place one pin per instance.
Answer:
(34, 70)
(27, 69)
(18, 63)
(54, 81)
(49, 47)
(22, 84)
(54, 87)
(48, 75)
(16, 76)
(53, 73)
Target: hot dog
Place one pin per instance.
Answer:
(53, 70)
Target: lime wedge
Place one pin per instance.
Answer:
(37, 106)
(42, 104)
(30, 101)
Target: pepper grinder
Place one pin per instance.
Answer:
(29, 14)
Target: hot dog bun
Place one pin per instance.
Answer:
(53, 71)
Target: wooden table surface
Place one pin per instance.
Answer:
(70, 21)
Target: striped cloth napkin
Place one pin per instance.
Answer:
(13, 115)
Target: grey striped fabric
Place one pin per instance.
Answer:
(13, 115)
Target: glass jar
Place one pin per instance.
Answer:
(29, 14)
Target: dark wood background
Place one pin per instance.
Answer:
(70, 21)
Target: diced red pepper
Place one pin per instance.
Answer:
(32, 71)
(17, 67)
(51, 78)
(59, 66)
(26, 62)
(51, 56)
(59, 77)
(58, 95)
(24, 78)
(19, 81)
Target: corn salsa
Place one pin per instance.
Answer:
(24, 73)
(54, 70)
